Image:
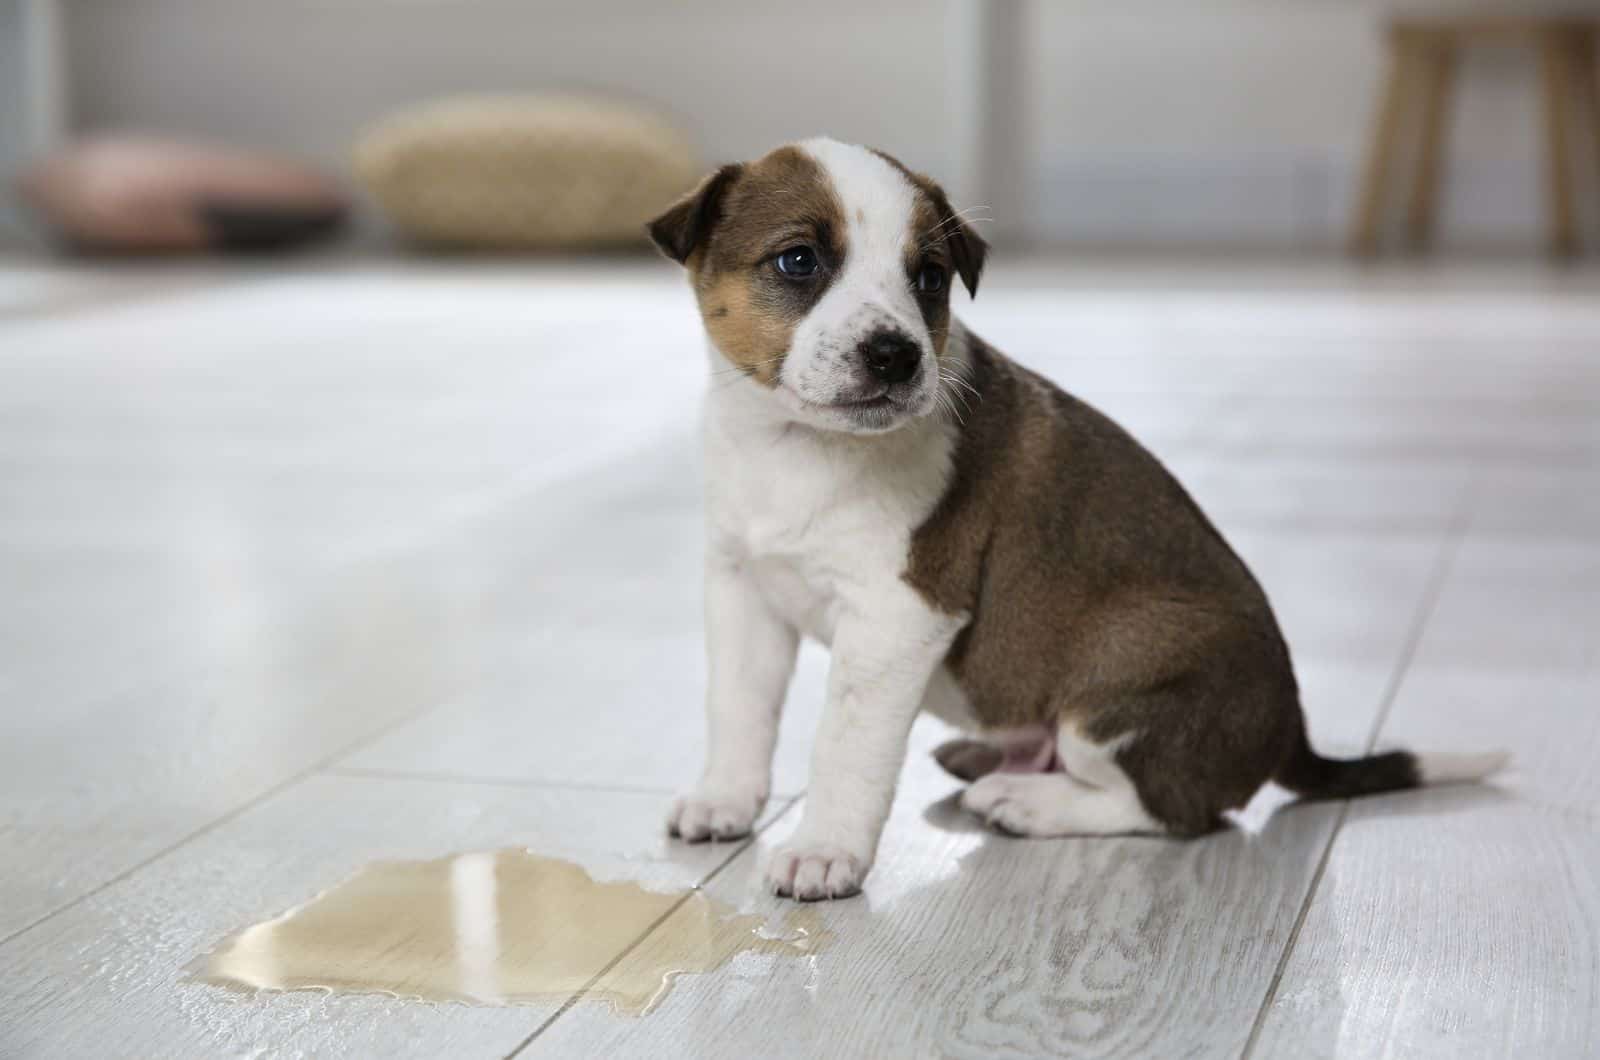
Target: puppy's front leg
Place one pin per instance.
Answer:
(883, 656)
(750, 653)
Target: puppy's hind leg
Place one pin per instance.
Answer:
(1086, 794)
(967, 759)
(1053, 804)
(1022, 750)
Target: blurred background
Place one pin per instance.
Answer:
(1232, 125)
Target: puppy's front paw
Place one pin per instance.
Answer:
(715, 812)
(814, 871)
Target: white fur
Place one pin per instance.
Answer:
(822, 366)
(1445, 767)
(749, 669)
(1091, 795)
(810, 530)
(809, 533)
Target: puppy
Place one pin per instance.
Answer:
(967, 539)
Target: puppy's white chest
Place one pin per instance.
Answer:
(805, 601)
(823, 524)
(790, 534)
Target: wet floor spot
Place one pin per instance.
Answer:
(499, 928)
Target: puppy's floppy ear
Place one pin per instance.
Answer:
(686, 225)
(967, 248)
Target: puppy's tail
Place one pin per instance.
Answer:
(1311, 776)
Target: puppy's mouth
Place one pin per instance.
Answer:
(869, 413)
(867, 410)
(868, 407)
(881, 400)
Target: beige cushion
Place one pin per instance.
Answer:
(542, 171)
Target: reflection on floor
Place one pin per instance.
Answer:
(309, 567)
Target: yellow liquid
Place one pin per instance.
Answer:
(498, 928)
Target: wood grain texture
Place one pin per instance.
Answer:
(969, 944)
(1515, 605)
(1548, 721)
(1465, 922)
(91, 789)
(1542, 503)
(226, 558)
(1338, 594)
(1329, 491)
(108, 977)
(1450, 923)
(248, 526)
(1416, 430)
(602, 582)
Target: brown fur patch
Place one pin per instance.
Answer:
(749, 333)
(938, 236)
(926, 247)
(729, 230)
(940, 230)
(1101, 595)
(763, 208)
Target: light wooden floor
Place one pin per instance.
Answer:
(303, 567)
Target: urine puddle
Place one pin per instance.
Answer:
(498, 927)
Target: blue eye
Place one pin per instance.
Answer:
(797, 262)
(931, 279)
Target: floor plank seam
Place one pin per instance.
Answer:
(369, 773)
(484, 504)
(217, 822)
(1425, 608)
(1294, 934)
(244, 562)
(572, 1001)
(1460, 523)
(342, 568)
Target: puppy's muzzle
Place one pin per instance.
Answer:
(890, 356)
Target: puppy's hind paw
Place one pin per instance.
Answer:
(968, 759)
(1003, 801)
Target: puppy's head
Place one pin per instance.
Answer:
(823, 273)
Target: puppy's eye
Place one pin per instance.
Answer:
(797, 262)
(931, 279)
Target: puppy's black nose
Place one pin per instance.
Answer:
(891, 356)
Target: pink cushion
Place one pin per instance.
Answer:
(130, 194)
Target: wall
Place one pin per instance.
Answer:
(1210, 122)
(309, 74)
(1154, 121)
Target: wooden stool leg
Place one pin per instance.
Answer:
(1436, 63)
(1555, 66)
(1382, 147)
(1587, 73)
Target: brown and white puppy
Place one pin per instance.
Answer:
(967, 539)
